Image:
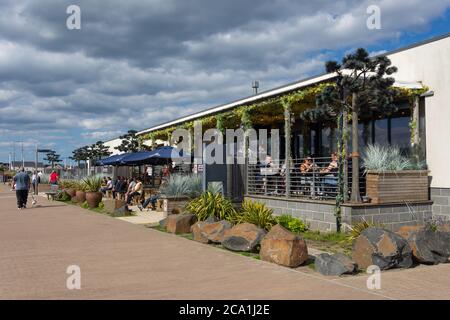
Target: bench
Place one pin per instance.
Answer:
(53, 192)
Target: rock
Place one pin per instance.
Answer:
(163, 223)
(211, 219)
(334, 265)
(406, 231)
(430, 247)
(383, 248)
(215, 231)
(243, 237)
(112, 205)
(180, 223)
(121, 212)
(283, 247)
(196, 230)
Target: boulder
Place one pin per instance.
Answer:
(121, 212)
(283, 247)
(215, 231)
(383, 248)
(180, 223)
(429, 246)
(406, 231)
(196, 230)
(334, 265)
(163, 223)
(243, 237)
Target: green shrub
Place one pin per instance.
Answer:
(92, 184)
(85, 205)
(63, 196)
(293, 224)
(209, 204)
(256, 213)
(101, 205)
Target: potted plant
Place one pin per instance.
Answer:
(70, 188)
(80, 194)
(92, 188)
(392, 177)
(179, 190)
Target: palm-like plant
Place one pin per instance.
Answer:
(211, 205)
(92, 184)
(256, 213)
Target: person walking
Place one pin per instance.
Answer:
(53, 177)
(34, 181)
(22, 182)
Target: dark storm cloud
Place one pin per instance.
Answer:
(136, 63)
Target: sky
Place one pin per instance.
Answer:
(137, 63)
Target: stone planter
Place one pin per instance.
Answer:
(93, 199)
(171, 203)
(71, 192)
(397, 186)
(80, 196)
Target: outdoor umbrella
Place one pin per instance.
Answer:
(113, 160)
(159, 155)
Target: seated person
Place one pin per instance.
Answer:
(137, 190)
(108, 187)
(151, 200)
(307, 165)
(333, 166)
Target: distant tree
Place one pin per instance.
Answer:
(99, 151)
(52, 158)
(79, 155)
(130, 142)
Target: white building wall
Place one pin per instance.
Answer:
(111, 144)
(430, 64)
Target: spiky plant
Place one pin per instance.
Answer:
(180, 186)
(92, 184)
(256, 213)
(385, 158)
(358, 228)
(211, 205)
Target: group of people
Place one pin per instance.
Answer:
(129, 188)
(301, 175)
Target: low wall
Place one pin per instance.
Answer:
(320, 214)
(441, 203)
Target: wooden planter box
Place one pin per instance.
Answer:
(397, 186)
(170, 203)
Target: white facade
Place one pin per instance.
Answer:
(430, 64)
(112, 144)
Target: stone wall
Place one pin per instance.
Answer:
(441, 203)
(320, 215)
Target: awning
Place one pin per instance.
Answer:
(113, 160)
(159, 155)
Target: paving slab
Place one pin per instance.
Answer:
(122, 260)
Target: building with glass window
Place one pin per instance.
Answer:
(422, 120)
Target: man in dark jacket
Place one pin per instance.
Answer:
(22, 182)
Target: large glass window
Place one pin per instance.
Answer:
(400, 133)
(381, 132)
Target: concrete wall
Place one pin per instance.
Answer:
(441, 203)
(320, 216)
(430, 64)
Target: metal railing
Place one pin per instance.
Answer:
(310, 178)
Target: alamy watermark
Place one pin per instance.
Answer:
(73, 282)
(233, 146)
(374, 280)
(373, 22)
(73, 21)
